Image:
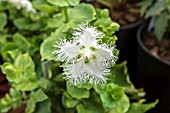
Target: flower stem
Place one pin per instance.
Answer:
(65, 14)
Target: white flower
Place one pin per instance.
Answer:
(23, 4)
(86, 60)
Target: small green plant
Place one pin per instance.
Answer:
(160, 10)
(42, 47)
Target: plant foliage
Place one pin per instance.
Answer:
(35, 77)
(160, 9)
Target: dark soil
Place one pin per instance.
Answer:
(19, 110)
(158, 49)
(125, 14)
(4, 87)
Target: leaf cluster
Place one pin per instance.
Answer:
(36, 78)
(160, 11)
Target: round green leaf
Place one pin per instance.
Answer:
(90, 107)
(76, 92)
(22, 42)
(62, 3)
(47, 48)
(41, 109)
(76, 15)
(3, 20)
(10, 71)
(73, 2)
(25, 63)
(80, 13)
(113, 97)
(121, 106)
(27, 24)
(9, 46)
(26, 85)
(68, 101)
(104, 22)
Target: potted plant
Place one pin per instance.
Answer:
(153, 58)
(56, 59)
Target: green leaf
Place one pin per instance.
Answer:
(121, 106)
(111, 95)
(160, 25)
(110, 40)
(11, 100)
(104, 22)
(22, 73)
(6, 48)
(5, 109)
(27, 77)
(80, 13)
(3, 39)
(168, 7)
(145, 4)
(16, 97)
(25, 63)
(26, 24)
(86, 85)
(157, 8)
(76, 15)
(113, 98)
(40, 96)
(141, 108)
(34, 98)
(68, 101)
(47, 48)
(59, 78)
(44, 7)
(43, 82)
(62, 3)
(119, 75)
(55, 22)
(31, 105)
(89, 107)
(25, 85)
(13, 54)
(3, 18)
(76, 92)
(3, 3)
(10, 71)
(73, 2)
(43, 107)
(21, 42)
(116, 92)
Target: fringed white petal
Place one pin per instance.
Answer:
(23, 4)
(66, 50)
(75, 74)
(79, 73)
(87, 35)
(105, 55)
(97, 74)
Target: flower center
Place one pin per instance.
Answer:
(89, 54)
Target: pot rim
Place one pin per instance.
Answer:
(128, 26)
(145, 48)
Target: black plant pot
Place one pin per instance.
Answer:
(127, 44)
(154, 75)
